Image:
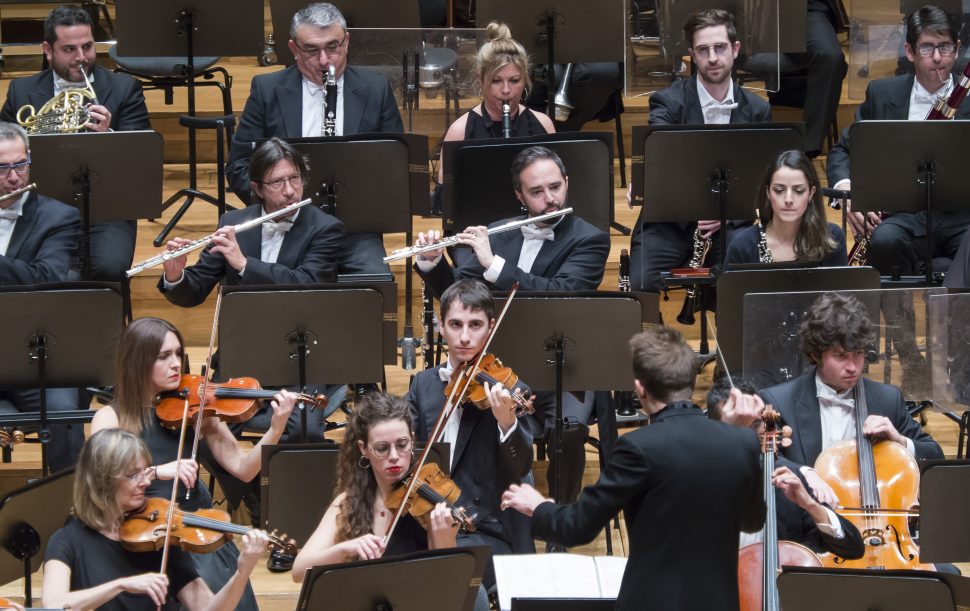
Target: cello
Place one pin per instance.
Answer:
(877, 485)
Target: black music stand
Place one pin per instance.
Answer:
(28, 518)
(390, 583)
(192, 28)
(287, 336)
(45, 347)
(732, 286)
(944, 495)
(539, 329)
(478, 187)
(563, 604)
(925, 175)
(83, 170)
(805, 589)
(288, 504)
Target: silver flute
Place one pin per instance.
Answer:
(203, 242)
(410, 251)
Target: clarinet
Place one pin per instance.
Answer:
(701, 246)
(626, 402)
(506, 120)
(330, 103)
(764, 253)
(623, 281)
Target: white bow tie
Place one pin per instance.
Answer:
(9, 214)
(723, 105)
(531, 232)
(846, 402)
(62, 84)
(272, 229)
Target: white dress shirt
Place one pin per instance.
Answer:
(716, 112)
(921, 100)
(313, 108)
(833, 529)
(450, 433)
(8, 220)
(838, 415)
(62, 84)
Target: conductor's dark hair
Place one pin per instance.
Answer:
(836, 320)
(664, 364)
(709, 18)
(472, 294)
(527, 157)
(721, 389)
(933, 19)
(65, 16)
(269, 154)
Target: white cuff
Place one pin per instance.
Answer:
(503, 437)
(842, 184)
(910, 447)
(168, 285)
(427, 266)
(834, 527)
(494, 270)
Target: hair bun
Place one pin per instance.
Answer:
(498, 31)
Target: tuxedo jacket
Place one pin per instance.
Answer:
(574, 261)
(797, 402)
(886, 99)
(664, 477)
(482, 467)
(119, 93)
(43, 243)
(275, 108)
(308, 255)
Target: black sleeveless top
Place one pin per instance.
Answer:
(163, 443)
(408, 536)
(481, 126)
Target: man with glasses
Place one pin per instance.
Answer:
(709, 97)
(289, 104)
(38, 239)
(898, 242)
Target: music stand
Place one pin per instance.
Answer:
(82, 170)
(390, 583)
(558, 31)
(28, 518)
(274, 333)
(808, 589)
(539, 328)
(478, 187)
(923, 176)
(563, 604)
(732, 286)
(46, 347)
(192, 28)
(944, 495)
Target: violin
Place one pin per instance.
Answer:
(433, 487)
(200, 532)
(492, 371)
(876, 484)
(232, 401)
(760, 563)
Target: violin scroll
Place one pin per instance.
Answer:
(283, 543)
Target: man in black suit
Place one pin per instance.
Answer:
(289, 104)
(709, 97)
(663, 476)
(38, 239)
(69, 46)
(566, 254)
(491, 448)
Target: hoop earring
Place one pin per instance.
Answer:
(525, 96)
(363, 462)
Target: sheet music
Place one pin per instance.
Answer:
(609, 572)
(556, 576)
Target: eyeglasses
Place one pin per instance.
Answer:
(381, 449)
(21, 167)
(138, 476)
(331, 49)
(719, 49)
(946, 49)
(277, 184)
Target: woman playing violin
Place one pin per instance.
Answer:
(149, 361)
(87, 567)
(375, 456)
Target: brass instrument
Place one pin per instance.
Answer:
(506, 120)
(411, 251)
(203, 242)
(560, 102)
(65, 113)
(18, 192)
(701, 246)
(330, 103)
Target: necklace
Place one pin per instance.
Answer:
(383, 508)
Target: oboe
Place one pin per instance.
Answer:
(506, 120)
(330, 103)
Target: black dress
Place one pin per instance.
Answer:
(215, 568)
(481, 126)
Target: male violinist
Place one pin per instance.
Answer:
(490, 449)
(683, 554)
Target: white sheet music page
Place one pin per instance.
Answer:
(556, 576)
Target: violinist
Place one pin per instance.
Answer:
(490, 449)
(149, 361)
(683, 551)
(801, 518)
(836, 331)
(86, 565)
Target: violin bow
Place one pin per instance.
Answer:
(458, 392)
(205, 384)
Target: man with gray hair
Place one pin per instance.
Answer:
(38, 239)
(289, 104)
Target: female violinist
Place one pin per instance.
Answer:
(87, 567)
(149, 361)
(375, 455)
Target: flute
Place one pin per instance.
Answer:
(410, 251)
(18, 192)
(203, 242)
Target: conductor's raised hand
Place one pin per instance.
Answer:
(523, 498)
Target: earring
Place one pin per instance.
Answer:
(363, 462)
